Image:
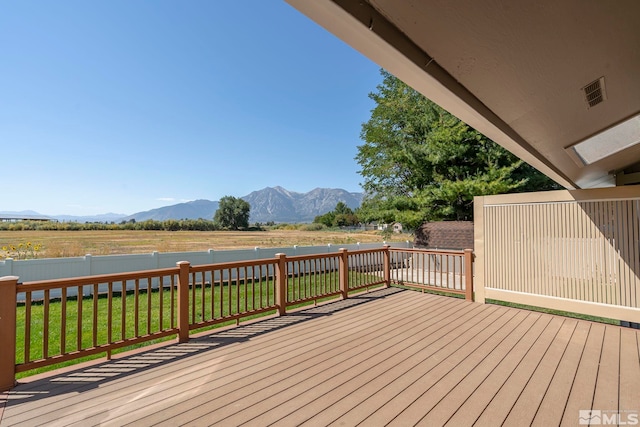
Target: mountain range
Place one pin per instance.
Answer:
(275, 204)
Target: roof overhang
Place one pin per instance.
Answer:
(515, 71)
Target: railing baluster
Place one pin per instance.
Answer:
(63, 321)
(307, 277)
(229, 291)
(149, 315)
(27, 327)
(237, 282)
(110, 313)
(461, 269)
(192, 283)
(95, 315)
(45, 326)
(172, 307)
(79, 300)
(136, 310)
(213, 294)
(253, 287)
(123, 305)
(203, 296)
(246, 290)
(224, 291)
(161, 301)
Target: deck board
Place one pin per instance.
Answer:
(388, 357)
(607, 383)
(629, 372)
(555, 398)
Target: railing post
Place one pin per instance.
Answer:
(387, 265)
(468, 274)
(344, 273)
(8, 286)
(183, 301)
(281, 284)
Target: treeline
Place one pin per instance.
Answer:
(166, 225)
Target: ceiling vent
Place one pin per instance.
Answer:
(594, 92)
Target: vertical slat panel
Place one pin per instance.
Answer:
(490, 232)
(511, 228)
(636, 252)
(582, 262)
(601, 278)
(629, 252)
(621, 251)
(506, 252)
(569, 252)
(535, 246)
(579, 250)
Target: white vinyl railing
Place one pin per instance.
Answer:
(575, 251)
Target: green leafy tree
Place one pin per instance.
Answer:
(341, 216)
(421, 163)
(232, 213)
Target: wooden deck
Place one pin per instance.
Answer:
(388, 357)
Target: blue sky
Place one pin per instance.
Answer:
(124, 106)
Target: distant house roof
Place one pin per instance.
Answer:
(445, 235)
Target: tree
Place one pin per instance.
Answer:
(232, 213)
(421, 163)
(341, 216)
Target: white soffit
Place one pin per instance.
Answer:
(518, 72)
(418, 70)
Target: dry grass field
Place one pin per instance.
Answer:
(111, 242)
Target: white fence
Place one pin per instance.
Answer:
(88, 265)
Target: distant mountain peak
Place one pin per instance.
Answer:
(269, 204)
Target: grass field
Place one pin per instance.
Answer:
(77, 243)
